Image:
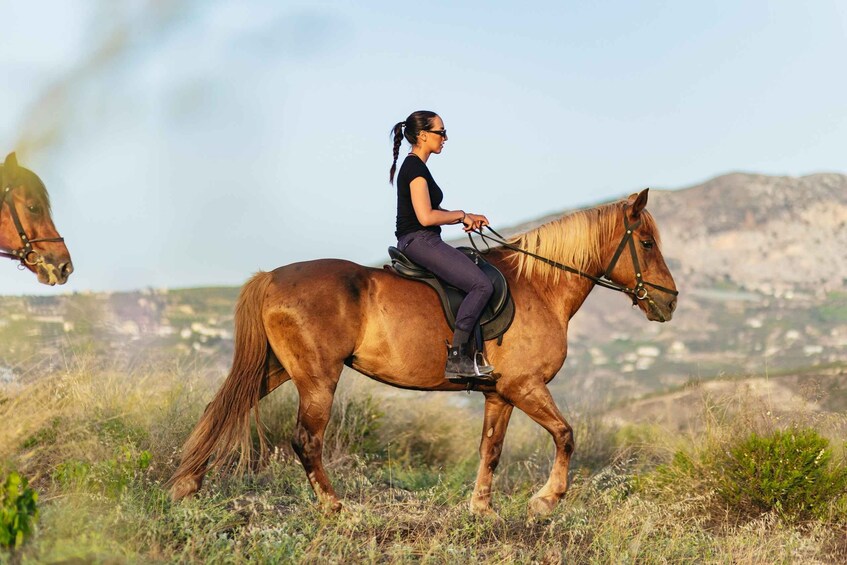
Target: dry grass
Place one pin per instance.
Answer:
(99, 444)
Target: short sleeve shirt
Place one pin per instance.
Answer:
(407, 220)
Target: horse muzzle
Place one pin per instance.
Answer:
(51, 272)
(658, 310)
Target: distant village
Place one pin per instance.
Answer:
(717, 331)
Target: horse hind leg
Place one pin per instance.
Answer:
(496, 420)
(316, 396)
(276, 377)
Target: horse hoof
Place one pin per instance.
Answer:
(185, 487)
(332, 506)
(540, 507)
(485, 511)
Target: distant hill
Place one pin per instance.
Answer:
(762, 233)
(757, 232)
(813, 395)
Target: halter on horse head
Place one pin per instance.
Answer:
(52, 263)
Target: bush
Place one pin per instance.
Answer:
(18, 511)
(789, 472)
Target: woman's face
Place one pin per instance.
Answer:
(433, 138)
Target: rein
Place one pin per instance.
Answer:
(638, 292)
(24, 252)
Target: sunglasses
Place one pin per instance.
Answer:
(441, 132)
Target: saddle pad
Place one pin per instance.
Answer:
(497, 315)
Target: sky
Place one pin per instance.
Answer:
(192, 143)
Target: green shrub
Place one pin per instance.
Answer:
(790, 472)
(18, 511)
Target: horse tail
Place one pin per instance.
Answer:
(223, 432)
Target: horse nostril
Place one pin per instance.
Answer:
(672, 305)
(65, 269)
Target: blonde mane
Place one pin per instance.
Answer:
(576, 239)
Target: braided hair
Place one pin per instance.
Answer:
(410, 129)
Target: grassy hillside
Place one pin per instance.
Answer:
(716, 438)
(98, 443)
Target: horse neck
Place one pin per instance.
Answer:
(567, 295)
(581, 240)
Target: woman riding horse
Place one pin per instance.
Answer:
(393, 330)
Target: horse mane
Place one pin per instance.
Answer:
(576, 239)
(33, 186)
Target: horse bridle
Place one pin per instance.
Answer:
(638, 292)
(629, 239)
(25, 254)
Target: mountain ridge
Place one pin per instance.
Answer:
(751, 230)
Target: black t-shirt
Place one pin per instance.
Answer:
(407, 221)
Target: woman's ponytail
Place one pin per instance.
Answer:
(397, 130)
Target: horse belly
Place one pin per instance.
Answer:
(403, 335)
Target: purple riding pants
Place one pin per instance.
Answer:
(427, 249)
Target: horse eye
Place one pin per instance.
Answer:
(34, 208)
(647, 244)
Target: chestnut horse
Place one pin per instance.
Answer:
(27, 233)
(305, 321)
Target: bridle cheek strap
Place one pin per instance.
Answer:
(24, 252)
(639, 292)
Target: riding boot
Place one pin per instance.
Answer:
(460, 366)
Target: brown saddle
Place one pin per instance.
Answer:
(498, 313)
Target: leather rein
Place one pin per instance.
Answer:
(638, 292)
(25, 254)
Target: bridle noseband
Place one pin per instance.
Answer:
(25, 254)
(638, 292)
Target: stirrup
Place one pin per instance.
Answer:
(481, 365)
(477, 378)
(482, 379)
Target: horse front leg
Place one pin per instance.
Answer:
(316, 397)
(495, 422)
(537, 402)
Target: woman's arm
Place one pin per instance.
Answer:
(426, 215)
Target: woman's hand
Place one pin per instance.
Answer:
(473, 222)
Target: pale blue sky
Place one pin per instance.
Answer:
(212, 139)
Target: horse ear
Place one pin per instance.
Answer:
(11, 163)
(640, 202)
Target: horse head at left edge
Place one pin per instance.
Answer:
(27, 233)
